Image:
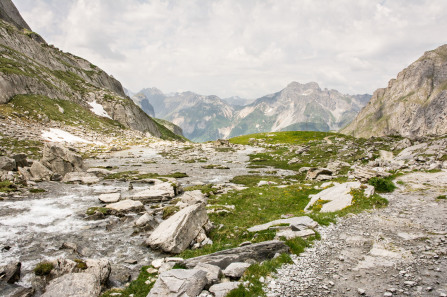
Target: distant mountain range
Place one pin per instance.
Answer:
(296, 107)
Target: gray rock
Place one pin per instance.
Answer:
(7, 164)
(290, 234)
(61, 160)
(313, 173)
(110, 197)
(236, 269)
(297, 221)
(258, 252)
(127, 205)
(176, 233)
(192, 197)
(21, 160)
(364, 174)
(179, 283)
(10, 273)
(74, 285)
(81, 177)
(157, 193)
(144, 219)
(213, 272)
(14, 290)
(222, 289)
(38, 172)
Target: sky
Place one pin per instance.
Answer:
(246, 48)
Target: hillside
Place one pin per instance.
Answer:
(413, 104)
(297, 107)
(33, 73)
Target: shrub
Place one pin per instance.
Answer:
(382, 185)
(43, 268)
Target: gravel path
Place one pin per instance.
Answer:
(397, 251)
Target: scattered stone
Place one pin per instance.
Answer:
(290, 234)
(213, 272)
(110, 197)
(236, 269)
(294, 221)
(144, 220)
(179, 283)
(158, 262)
(313, 173)
(361, 291)
(222, 289)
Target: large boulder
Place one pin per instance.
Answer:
(37, 172)
(61, 160)
(10, 273)
(222, 289)
(337, 197)
(176, 233)
(7, 164)
(125, 206)
(258, 251)
(74, 285)
(179, 283)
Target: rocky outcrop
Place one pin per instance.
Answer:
(413, 104)
(74, 285)
(61, 160)
(176, 233)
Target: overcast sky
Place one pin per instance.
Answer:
(248, 48)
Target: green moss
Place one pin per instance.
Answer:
(205, 189)
(80, 264)
(7, 186)
(92, 210)
(137, 288)
(215, 166)
(43, 268)
(441, 197)
(37, 190)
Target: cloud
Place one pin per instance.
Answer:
(247, 48)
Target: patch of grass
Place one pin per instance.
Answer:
(253, 180)
(137, 288)
(38, 190)
(80, 264)
(43, 268)
(7, 186)
(92, 210)
(382, 185)
(441, 197)
(121, 175)
(206, 189)
(215, 166)
(33, 149)
(169, 211)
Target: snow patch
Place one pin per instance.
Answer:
(98, 109)
(58, 135)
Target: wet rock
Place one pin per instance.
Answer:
(13, 290)
(176, 233)
(7, 164)
(110, 197)
(125, 206)
(338, 196)
(74, 285)
(236, 269)
(10, 273)
(258, 252)
(144, 220)
(222, 289)
(81, 177)
(179, 283)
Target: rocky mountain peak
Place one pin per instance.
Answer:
(413, 104)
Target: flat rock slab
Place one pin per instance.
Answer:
(74, 285)
(179, 283)
(305, 221)
(126, 205)
(338, 196)
(110, 197)
(222, 289)
(81, 177)
(157, 193)
(257, 251)
(290, 234)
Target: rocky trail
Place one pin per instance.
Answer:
(396, 251)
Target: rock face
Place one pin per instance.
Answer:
(176, 233)
(179, 283)
(297, 107)
(31, 67)
(413, 104)
(60, 159)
